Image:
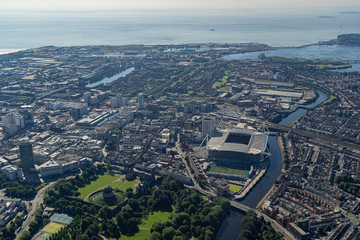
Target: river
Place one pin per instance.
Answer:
(231, 226)
(111, 79)
(295, 115)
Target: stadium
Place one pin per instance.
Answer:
(238, 148)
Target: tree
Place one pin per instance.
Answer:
(168, 233)
(158, 227)
(26, 235)
(155, 236)
(119, 219)
(127, 212)
(85, 223)
(182, 219)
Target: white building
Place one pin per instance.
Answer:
(141, 100)
(12, 172)
(207, 127)
(50, 168)
(15, 119)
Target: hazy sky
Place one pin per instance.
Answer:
(168, 4)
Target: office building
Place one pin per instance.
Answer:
(141, 100)
(26, 156)
(207, 127)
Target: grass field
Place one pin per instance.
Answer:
(147, 224)
(155, 217)
(329, 100)
(102, 181)
(219, 84)
(43, 236)
(218, 169)
(330, 66)
(141, 235)
(128, 184)
(234, 187)
(52, 227)
(115, 184)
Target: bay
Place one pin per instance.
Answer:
(285, 27)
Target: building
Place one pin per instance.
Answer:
(50, 168)
(117, 101)
(298, 232)
(238, 147)
(12, 172)
(14, 118)
(78, 110)
(141, 100)
(8, 210)
(207, 127)
(26, 156)
(113, 103)
(88, 99)
(12, 122)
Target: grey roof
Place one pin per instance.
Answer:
(256, 144)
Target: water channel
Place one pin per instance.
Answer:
(295, 115)
(231, 226)
(111, 79)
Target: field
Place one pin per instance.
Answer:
(218, 169)
(52, 227)
(235, 188)
(102, 181)
(220, 84)
(329, 100)
(155, 217)
(330, 66)
(145, 226)
(128, 184)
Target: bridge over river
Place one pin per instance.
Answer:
(243, 208)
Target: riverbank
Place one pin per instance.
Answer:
(231, 227)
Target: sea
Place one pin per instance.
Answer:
(277, 27)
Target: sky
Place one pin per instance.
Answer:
(86, 5)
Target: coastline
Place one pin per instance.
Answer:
(10, 50)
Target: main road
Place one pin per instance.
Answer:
(35, 204)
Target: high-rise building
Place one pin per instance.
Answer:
(141, 100)
(14, 118)
(119, 100)
(26, 156)
(207, 127)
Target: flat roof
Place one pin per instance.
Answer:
(270, 92)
